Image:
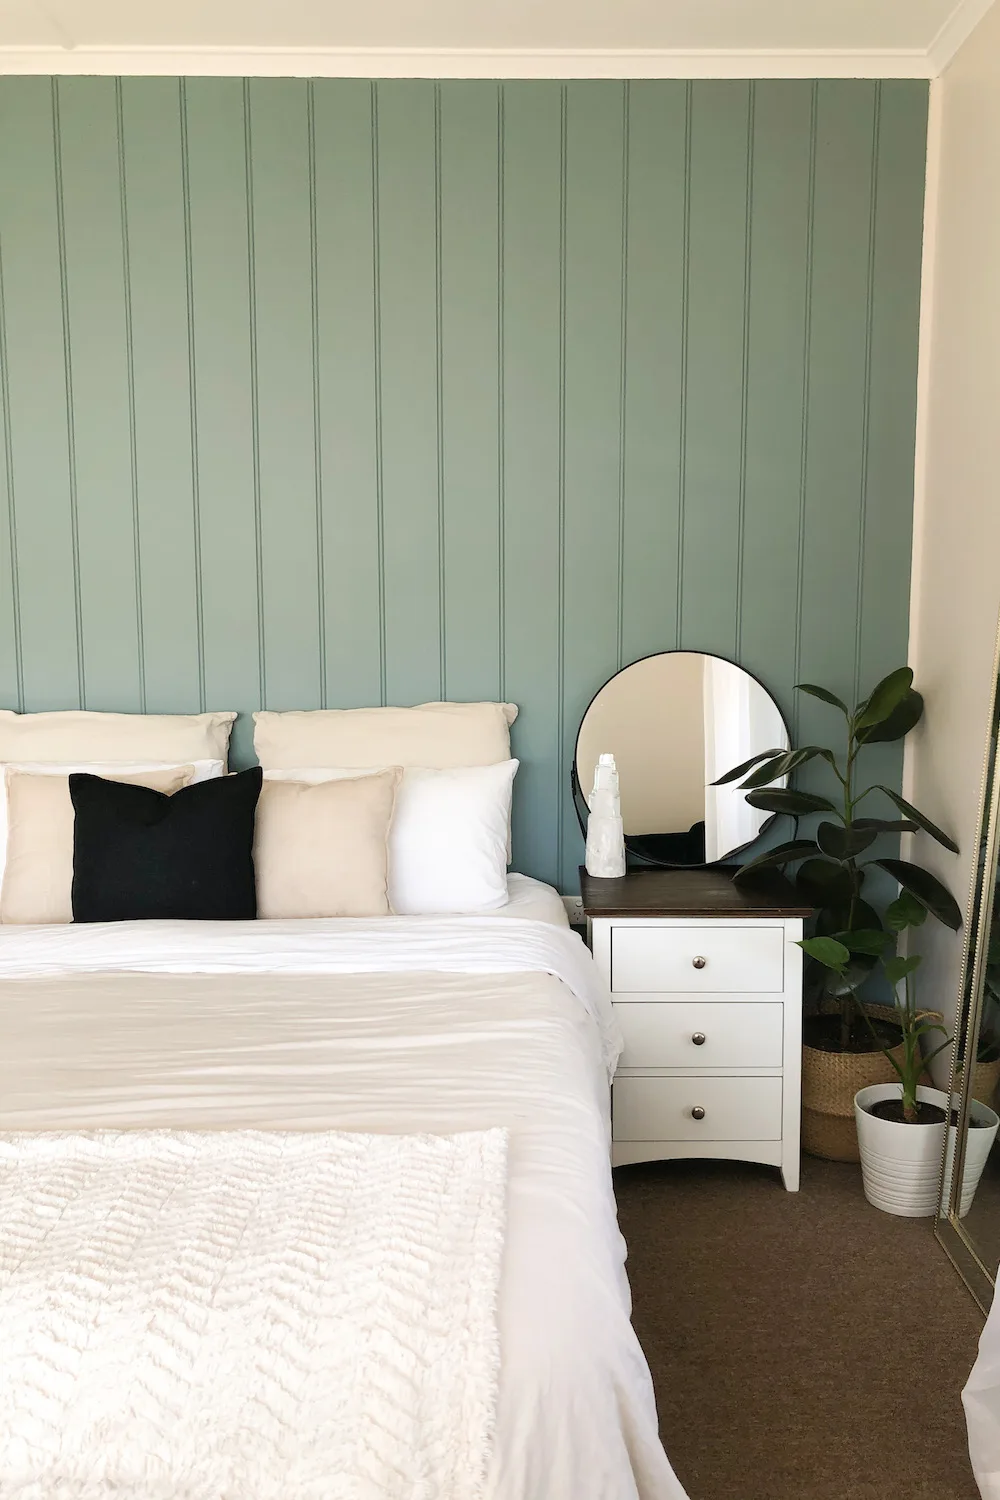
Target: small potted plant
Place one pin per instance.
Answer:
(901, 1126)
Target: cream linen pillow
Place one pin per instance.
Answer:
(77, 735)
(323, 850)
(38, 874)
(435, 735)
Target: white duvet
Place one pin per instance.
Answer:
(398, 1025)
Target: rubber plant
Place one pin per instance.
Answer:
(831, 870)
(915, 1027)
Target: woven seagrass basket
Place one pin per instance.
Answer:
(830, 1081)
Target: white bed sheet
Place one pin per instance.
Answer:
(404, 1024)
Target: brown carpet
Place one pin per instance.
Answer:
(803, 1346)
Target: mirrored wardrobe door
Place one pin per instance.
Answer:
(969, 1227)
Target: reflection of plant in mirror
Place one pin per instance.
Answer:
(906, 911)
(830, 872)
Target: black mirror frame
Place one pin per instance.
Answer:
(580, 802)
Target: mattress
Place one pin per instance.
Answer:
(401, 1025)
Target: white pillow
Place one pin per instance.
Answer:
(79, 735)
(204, 770)
(448, 838)
(439, 735)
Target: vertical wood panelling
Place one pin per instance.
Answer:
(220, 268)
(836, 414)
(283, 340)
(43, 502)
(347, 394)
(470, 430)
(97, 321)
(720, 189)
(776, 327)
(653, 364)
(532, 196)
(595, 246)
(409, 336)
(340, 392)
(154, 211)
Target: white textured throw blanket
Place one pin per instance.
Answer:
(248, 1316)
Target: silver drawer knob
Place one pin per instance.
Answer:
(698, 1113)
(698, 1038)
(699, 962)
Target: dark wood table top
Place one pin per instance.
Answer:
(691, 893)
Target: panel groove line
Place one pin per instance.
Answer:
(130, 378)
(337, 392)
(866, 406)
(317, 400)
(623, 374)
(254, 390)
(192, 392)
(682, 404)
(501, 456)
(74, 517)
(806, 367)
(379, 461)
(8, 465)
(744, 402)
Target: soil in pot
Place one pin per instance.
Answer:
(927, 1114)
(892, 1109)
(824, 1033)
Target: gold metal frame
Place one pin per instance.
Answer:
(949, 1228)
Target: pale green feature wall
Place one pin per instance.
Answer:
(341, 393)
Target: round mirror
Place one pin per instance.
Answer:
(675, 723)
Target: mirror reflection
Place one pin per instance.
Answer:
(674, 723)
(972, 1168)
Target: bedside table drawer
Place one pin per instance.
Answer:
(660, 1109)
(697, 960)
(660, 1033)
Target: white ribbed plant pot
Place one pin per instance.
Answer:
(901, 1164)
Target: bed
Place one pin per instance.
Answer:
(389, 1026)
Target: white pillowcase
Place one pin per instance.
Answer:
(204, 770)
(448, 839)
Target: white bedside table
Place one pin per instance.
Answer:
(706, 980)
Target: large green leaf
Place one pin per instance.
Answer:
(770, 771)
(843, 843)
(824, 695)
(849, 979)
(916, 816)
(898, 724)
(866, 940)
(782, 855)
(784, 765)
(885, 697)
(834, 920)
(780, 800)
(824, 882)
(827, 951)
(905, 911)
(741, 770)
(897, 969)
(926, 887)
(886, 825)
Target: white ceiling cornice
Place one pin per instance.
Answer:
(958, 28)
(92, 37)
(468, 62)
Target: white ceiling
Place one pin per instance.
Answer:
(913, 38)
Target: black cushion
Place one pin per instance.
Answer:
(138, 853)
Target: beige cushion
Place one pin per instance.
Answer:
(79, 735)
(38, 875)
(322, 850)
(439, 736)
